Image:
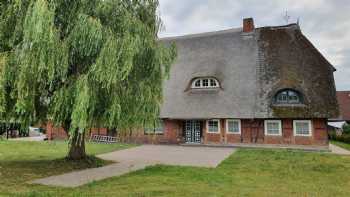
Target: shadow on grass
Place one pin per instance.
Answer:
(18, 172)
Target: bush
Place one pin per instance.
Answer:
(343, 138)
(332, 135)
(346, 128)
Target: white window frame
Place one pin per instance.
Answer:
(193, 85)
(219, 126)
(302, 121)
(286, 96)
(273, 121)
(152, 130)
(239, 126)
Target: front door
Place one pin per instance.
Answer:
(193, 131)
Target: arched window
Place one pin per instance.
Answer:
(207, 82)
(288, 97)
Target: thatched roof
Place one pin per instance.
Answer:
(251, 68)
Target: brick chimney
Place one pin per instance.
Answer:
(248, 25)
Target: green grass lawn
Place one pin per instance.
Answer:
(245, 173)
(341, 144)
(24, 161)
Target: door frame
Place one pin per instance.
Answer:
(193, 131)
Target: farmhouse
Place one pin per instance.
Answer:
(266, 85)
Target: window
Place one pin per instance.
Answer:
(288, 97)
(213, 126)
(156, 128)
(205, 82)
(202, 83)
(273, 127)
(213, 83)
(302, 128)
(233, 126)
(197, 84)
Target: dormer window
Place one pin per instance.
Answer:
(288, 97)
(203, 83)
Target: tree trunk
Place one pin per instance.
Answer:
(66, 126)
(130, 135)
(77, 146)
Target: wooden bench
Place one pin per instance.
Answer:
(103, 139)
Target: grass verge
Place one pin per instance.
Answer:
(21, 162)
(341, 144)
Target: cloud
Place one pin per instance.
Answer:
(324, 22)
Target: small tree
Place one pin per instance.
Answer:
(81, 64)
(346, 128)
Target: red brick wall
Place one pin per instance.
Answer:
(212, 138)
(173, 131)
(98, 131)
(55, 132)
(319, 134)
(252, 131)
(172, 134)
(58, 133)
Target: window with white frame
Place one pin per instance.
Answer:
(213, 126)
(273, 127)
(233, 126)
(205, 83)
(288, 97)
(156, 128)
(302, 127)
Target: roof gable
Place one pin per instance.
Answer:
(250, 67)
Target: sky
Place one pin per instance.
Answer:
(325, 23)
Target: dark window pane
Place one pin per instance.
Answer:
(302, 128)
(288, 96)
(198, 83)
(159, 126)
(213, 126)
(212, 83)
(149, 130)
(233, 126)
(205, 82)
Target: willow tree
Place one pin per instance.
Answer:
(81, 64)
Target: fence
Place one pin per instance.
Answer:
(103, 139)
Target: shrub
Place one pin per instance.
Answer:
(332, 135)
(346, 128)
(343, 138)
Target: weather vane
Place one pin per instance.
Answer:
(286, 17)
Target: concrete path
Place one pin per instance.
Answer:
(171, 155)
(78, 178)
(338, 150)
(138, 158)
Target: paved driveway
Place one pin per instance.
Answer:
(171, 155)
(138, 158)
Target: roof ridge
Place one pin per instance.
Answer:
(224, 31)
(203, 34)
(280, 26)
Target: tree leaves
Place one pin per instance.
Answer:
(85, 42)
(85, 63)
(42, 61)
(12, 17)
